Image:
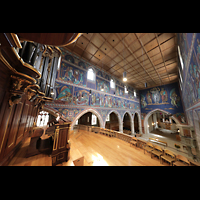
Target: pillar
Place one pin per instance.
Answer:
(120, 126)
(155, 120)
(132, 127)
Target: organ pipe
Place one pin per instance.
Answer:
(46, 60)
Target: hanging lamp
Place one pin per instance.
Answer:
(124, 76)
(124, 73)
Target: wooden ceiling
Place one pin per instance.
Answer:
(146, 57)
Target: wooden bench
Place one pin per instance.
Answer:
(157, 151)
(193, 163)
(148, 147)
(133, 141)
(181, 161)
(156, 140)
(141, 143)
(168, 156)
(101, 130)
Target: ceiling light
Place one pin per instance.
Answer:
(124, 77)
(124, 74)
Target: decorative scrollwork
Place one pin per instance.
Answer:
(14, 99)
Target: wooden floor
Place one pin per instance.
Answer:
(98, 150)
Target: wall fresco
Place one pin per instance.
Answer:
(165, 97)
(63, 93)
(97, 99)
(75, 94)
(71, 74)
(101, 83)
(69, 113)
(191, 83)
(81, 96)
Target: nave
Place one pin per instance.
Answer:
(97, 149)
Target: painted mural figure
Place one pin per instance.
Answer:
(81, 77)
(174, 98)
(155, 95)
(143, 102)
(149, 100)
(76, 76)
(65, 95)
(164, 95)
(101, 100)
(93, 99)
(69, 73)
(69, 94)
(82, 98)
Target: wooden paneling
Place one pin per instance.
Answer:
(28, 120)
(22, 125)
(117, 52)
(4, 126)
(57, 39)
(18, 111)
(12, 132)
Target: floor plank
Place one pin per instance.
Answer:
(97, 149)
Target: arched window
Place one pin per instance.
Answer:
(134, 93)
(112, 84)
(125, 90)
(90, 74)
(43, 118)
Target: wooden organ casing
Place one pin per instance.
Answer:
(61, 144)
(27, 79)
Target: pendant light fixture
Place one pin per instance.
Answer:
(124, 76)
(124, 73)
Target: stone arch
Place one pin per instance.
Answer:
(51, 111)
(140, 123)
(151, 112)
(131, 117)
(119, 119)
(95, 112)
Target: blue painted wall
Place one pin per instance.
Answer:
(165, 97)
(75, 94)
(190, 48)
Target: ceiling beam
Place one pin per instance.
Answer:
(149, 59)
(137, 61)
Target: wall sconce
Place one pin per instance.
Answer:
(145, 85)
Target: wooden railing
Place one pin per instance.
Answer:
(108, 132)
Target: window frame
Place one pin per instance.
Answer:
(125, 90)
(112, 81)
(94, 75)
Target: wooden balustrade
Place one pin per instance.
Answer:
(107, 132)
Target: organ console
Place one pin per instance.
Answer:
(55, 141)
(28, 67)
